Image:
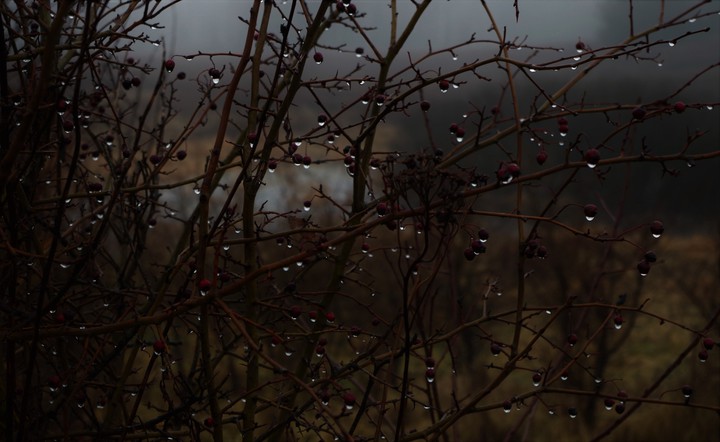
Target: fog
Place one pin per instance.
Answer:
(213, 27)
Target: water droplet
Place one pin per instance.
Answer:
(671, 44)
(196, 190)
(216, 80)
(591, 165)
(709, 107)
(692, 20)
(590, 217)
(532, 70)
(573, 67)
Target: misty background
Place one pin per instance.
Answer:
(687, 202)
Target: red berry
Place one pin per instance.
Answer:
(307, 161)
(460, 133)
(330, 317)
(562, 121)
(687, 391)
(650, 256)
(483, 235)
(425, 106)
(214, 73)
(478, 247)
(536, 378)
(322, 341)
(453, 128)
(708, 343)
(312, 314)
(159, 346)
(495, 349)
(514, 170)
(657, 228)
(295, 311)
(591, 211)
(592, 157)
(572, 339)
(349, 399)
(68, 125)
(181, 155)
(609, 403)
(322, 119)
(382, 209)
(94, 187)
(639, 113)
(541, 157)
(503, 174)
(643, 267)
(320, 350)
(563, 128)
(61, 106)
(169, 65)
(204, 285)
(507, 406)
(136, 81)
(703, 355)
(272, 165)
(430, 374)
(54, 381)
(469, 254)
(318, 57)
(680, 107)
(209, 422)
(444, 85)
(618, 320)
(580, 46)
(351, 9)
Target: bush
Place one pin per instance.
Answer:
(286, 244)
